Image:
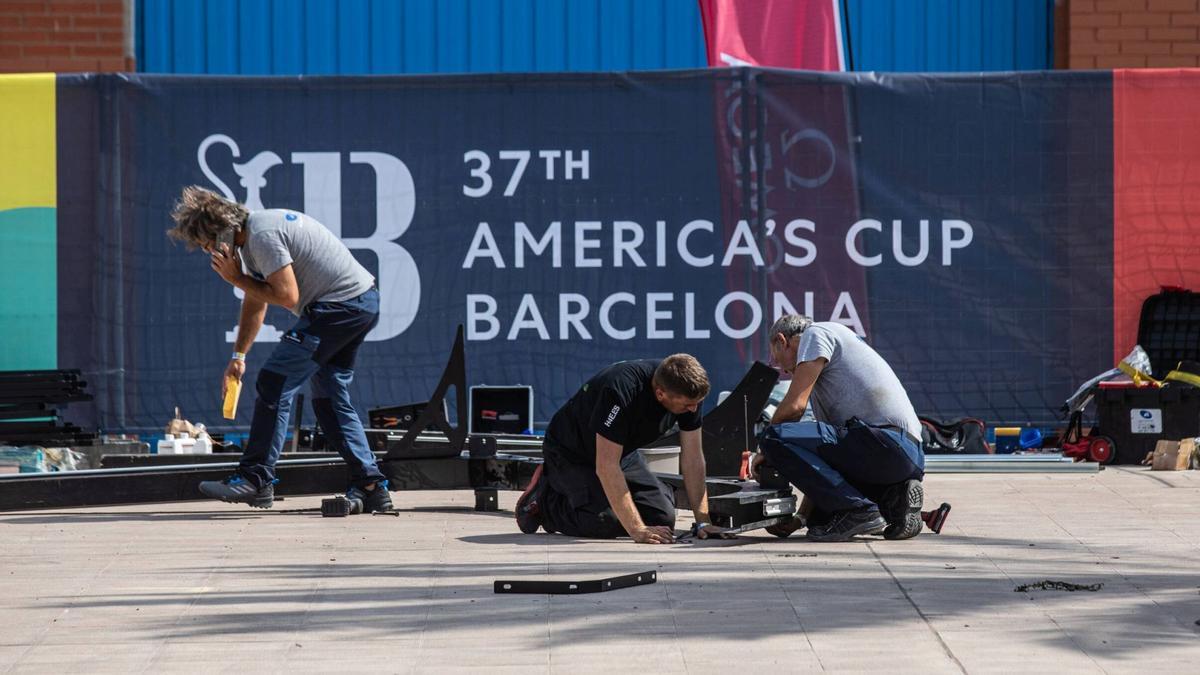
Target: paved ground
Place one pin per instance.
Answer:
(209, 588)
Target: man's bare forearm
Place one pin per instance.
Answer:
(249, 323)
(694, 473)
(612, 479)
(262, 292)
(795, 401)
(698, 496)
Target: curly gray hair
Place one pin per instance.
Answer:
(789, 326)
(200, 215)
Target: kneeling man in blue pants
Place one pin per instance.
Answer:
(860, 464)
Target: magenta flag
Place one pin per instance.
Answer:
(802, 34)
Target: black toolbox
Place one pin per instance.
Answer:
(1136, 418)
(1169, 329)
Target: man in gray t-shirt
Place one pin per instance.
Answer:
(284, 258)
(324, 268)
(854, 382)
(861, 463)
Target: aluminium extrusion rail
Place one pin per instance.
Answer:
(1034, 463)
(308, 476)
(737, 505)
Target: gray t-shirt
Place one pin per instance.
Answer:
(324, 268)
(856, 382)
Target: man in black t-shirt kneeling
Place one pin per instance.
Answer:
(594, 482)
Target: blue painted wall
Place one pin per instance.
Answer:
(258, 37)
(950, 35)
(286, 37)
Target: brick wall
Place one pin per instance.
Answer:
(1134, 33)
(63, 36)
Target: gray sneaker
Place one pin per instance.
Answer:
(901, 507)
(238, 490)
(845, 525)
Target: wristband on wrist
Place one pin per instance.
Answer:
(239, 356)
(697, 526)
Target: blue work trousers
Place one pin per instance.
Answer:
(840, 468)
(320, 348)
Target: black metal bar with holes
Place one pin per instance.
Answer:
(17, 386)
(42, 397)
(39, 373)
(547, 587)
(27, 413)
(36, 427)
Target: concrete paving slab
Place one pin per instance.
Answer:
(203, 587)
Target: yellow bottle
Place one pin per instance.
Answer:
(233, 389)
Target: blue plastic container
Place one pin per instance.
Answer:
(1031, 438)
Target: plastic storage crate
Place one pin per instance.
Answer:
(1169, 329)
(1136, 418)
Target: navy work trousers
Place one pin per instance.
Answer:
(575, 504)
(320, 348)
(840, 468)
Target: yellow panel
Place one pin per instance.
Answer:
(27, 141)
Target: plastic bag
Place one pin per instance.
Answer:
(1136, 366)
(36, 459)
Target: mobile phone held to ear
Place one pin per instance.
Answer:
(226, 237)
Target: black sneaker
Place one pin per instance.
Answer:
(378, 500)
(236, 489)
(900, 505)
(845, 525)
(529, 508)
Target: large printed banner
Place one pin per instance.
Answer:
(28, 302)
(962, 224)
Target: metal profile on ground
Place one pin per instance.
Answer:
(547, 587)
(1046, 463)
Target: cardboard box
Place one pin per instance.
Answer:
(1173, 455)
(1191, 448)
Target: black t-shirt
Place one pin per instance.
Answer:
(619, 404)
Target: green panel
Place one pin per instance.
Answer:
(28, 289)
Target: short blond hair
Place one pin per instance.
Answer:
(200, 215)
(682, 375)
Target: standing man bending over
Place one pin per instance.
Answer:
(294, 262)
(594, 482)
(861, 463)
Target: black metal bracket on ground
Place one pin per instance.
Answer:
(434, 413)
(484, 473)
(543, 587)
